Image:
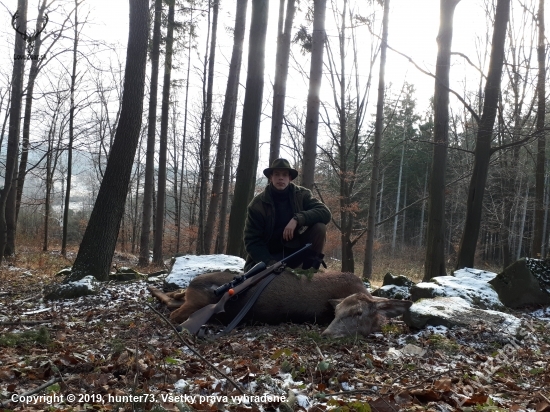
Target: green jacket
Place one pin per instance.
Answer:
(260, 221)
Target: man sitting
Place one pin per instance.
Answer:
(282, 219)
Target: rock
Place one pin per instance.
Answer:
(395, 287)
(187, 267)
(88, 285)
(399, 280)
(393, 292)
(455, 311)
(525, 282)
(470, 284)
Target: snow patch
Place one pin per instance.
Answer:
(187, 267)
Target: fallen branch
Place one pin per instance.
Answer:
(24, 322)
(32, 392)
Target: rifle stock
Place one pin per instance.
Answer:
(203, 315)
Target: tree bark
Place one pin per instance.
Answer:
(184, 139)
(482, 153)
(228, 119)
(71, 138)
(378, 128)
(14, 122)
(250, 130)
(281, 75)
(28, 110)
(205, 238)
(163, 147)
(541, 137)
(435, 237)
(313, 98)
(151, 128)
(98, 245)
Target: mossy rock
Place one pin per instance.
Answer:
(84, 287)
(397, 280)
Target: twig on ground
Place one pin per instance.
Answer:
(24, 322)
(32, 392)
(431, 377)
(192, 349)
(544, 397)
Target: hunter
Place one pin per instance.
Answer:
(282, 219)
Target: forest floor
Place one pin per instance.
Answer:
(113, 352)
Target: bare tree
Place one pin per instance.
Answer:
(35, 67)
(98, 245)
(203, 246)
(484, 138)
(71, 135)
(250, 131)
(378, 127)
(435, 236)
(281, 74)
(151, 128)
(541, 138)
(227, 123)
(313, 98)
(161, 184)
(19, 19)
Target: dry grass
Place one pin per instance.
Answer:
(407, 261)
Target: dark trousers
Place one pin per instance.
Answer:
(315, 234)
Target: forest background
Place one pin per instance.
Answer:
(68, 130)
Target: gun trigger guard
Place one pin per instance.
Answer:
(280, 269)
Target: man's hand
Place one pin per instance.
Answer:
(288, 233)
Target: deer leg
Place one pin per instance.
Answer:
(168, 300)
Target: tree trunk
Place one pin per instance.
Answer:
(482, 153)
(435, 236)
(545, 223)
(281, 74)
(378, 127)
(250, 130)
(98, 245)
(397, 200)
(541, 137)
(205, 238)
(14, 123)
(71, 138)
(522, 224)
(28, 109)
(227, 176)
(150, 155)
(7, 115)
(184, 139)
(228, 119)
(313, 99)
(161, 190)
(420, 238)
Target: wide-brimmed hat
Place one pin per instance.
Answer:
(281, 164)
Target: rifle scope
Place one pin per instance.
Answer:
(240, 279)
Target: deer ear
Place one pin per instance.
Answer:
(391, 308)
(335, 302)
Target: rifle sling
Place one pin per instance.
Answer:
(261, 286)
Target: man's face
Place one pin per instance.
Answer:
(280, 178)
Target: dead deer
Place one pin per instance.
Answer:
(292, 298)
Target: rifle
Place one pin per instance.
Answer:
(203, 315)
